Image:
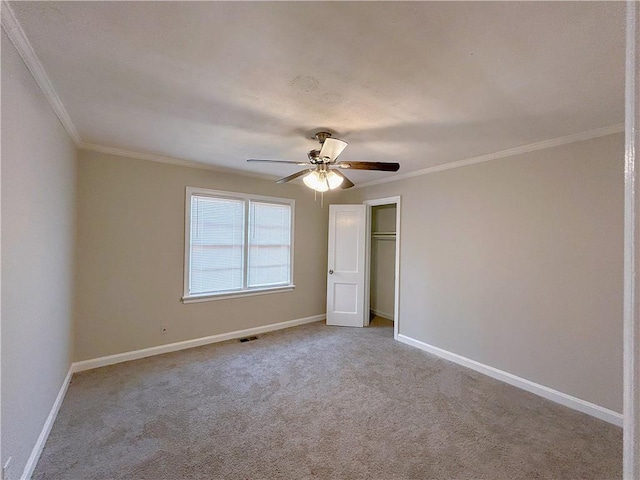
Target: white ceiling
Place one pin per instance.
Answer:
(419, 83)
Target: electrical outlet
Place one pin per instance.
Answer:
(164, 329)
(6, 470)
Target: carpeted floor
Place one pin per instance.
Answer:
(316, 402)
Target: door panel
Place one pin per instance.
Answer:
(346, 245)
(345, 297)
(346, 265)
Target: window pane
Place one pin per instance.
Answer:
(269, 244)
(216, 244)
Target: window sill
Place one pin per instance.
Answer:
(244, 293)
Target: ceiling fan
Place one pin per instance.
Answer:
(323, 170)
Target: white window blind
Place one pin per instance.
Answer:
(269, 244)
(236, 244)
(217, 244)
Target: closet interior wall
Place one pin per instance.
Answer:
(383, 251)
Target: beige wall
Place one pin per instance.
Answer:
(38, 215)
(517, 263)
(383, 261)
(131, 256)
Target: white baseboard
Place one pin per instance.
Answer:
(546, 392)
(147, 352)
(46, 429)
(388, 316)
(196, 342)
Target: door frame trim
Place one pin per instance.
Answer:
(397, 200)
(631, 404)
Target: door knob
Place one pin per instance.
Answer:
(330, 272)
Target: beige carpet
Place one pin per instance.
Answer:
(316, 402)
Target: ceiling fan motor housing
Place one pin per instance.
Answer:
(314, 156)
(316, 159)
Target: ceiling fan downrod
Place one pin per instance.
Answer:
(322, 136)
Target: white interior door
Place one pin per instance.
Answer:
(346, 265)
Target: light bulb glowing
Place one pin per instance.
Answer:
(317, 181)
(334, 179)
(321, 181)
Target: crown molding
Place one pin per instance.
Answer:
(121, 152)
(532, 147)
(19, 40)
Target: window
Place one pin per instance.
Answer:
(236, 244)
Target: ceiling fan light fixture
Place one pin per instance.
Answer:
(317, 181)
(321, 173)
(334, 179)
(321, 181)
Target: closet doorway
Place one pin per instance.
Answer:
(382, 277)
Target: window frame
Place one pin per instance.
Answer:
(187, 297)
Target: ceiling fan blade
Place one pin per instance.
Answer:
(293, 176)
(346, 183)
(383, 166)
(277, 161)
(331, 148)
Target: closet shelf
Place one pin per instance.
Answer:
(384, 235)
